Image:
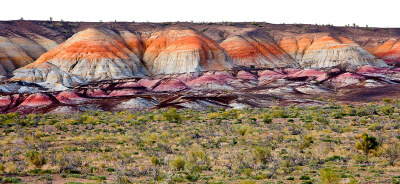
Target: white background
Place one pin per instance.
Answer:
(379, 13)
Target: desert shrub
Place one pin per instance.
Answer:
(99, 178)
(359, 158)
(11, 168)
(387, 100)
(367, 144)
(36, 158)
(306, 142)
(337, 115)
(192, 176)
(349, 111)
(329, 176)
(155, 161)
(177, 179)
(307, 118)
(248, 182)
(2, 167)
(247, 172)
(294, 130)
(198, 161)
(387, 109)
(110, 169)
(59, 24)
(279, 114)
(122, 179)
(178, 163)
(304, 177)
(287, 165)
(395, 179)
(11, 180)
(334, 158)
(61, 126)
(267, 119)
(261, 176)
(244, 129)
(173, 116)
(214, 115)
(322, 120)
(375, 127)
(392, 152)
(67, 163)
(261, 154)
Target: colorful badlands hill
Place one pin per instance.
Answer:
(42, 66)
(102, 54)
(29, 51)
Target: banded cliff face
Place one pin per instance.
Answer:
(90, 55)
(257, 52)
(389, 51)
(182, 51)
(326, 52)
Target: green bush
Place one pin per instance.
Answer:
(36, 158)
(395, 179)
(304, 177)
(154, 160)
(110, 169)
(262, 154)
(290, 178)
(178, 163)
(11, 180)
(123, 180)
(243, 130)
(173, 116)
(367, 144)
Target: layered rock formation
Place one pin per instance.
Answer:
(256, 52)
(90, 55)
(11, 56)
(184, 50)
(389, 51)
(117, 51)
(20, 46)
(326, 52)
(36, 100)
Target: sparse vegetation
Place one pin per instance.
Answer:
(320, 144)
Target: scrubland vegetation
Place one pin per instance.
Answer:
(319, 144)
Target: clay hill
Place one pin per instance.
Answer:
(191, 65)
(168, 48)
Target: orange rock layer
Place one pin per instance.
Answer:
(260, 53)
(389, 51)
(326, 51)
(182, 51)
